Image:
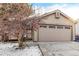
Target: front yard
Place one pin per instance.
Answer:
(9, 49)
(44, 48)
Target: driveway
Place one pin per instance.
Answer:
(59, 48)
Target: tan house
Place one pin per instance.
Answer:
(55, 26)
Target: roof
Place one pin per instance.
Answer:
(34, 17)
(49, 13)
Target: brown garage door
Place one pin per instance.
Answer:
(54, 33)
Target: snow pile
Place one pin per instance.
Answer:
(8, 49)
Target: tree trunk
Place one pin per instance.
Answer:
(5, 37)
(20, 41)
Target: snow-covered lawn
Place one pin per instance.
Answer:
(9, 49)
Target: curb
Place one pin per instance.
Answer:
(40, 50)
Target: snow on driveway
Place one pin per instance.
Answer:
(60, 48)
(8, 49)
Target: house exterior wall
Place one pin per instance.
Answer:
(77, 28)
(50, 19)
(35, 35)
(74, 31)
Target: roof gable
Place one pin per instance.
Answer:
(63, 14)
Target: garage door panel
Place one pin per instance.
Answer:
(54, 34)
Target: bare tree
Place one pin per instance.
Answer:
(11, 16)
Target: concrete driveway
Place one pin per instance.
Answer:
(59, 48)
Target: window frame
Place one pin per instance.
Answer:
(52, 26)
(43, 26)
(59, 27)
(67, 27)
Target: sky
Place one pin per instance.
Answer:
(71, 9)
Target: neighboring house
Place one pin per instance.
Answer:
(77, 28)
(55, 26)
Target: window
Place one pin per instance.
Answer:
(60, 27)
(43, 26)
(51, 26)
(67, 27)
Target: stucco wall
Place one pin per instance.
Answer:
(35, 35)
(52, 20)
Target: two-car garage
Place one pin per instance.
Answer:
(55, 32)
(55, 26)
